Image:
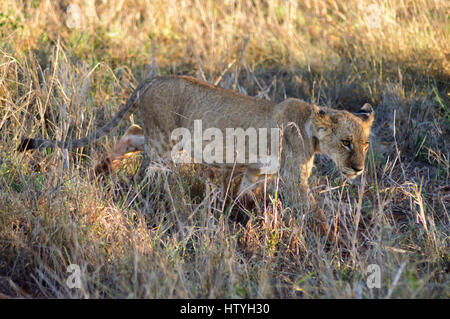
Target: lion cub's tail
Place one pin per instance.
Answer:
(129, 108)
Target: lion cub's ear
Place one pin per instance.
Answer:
(322, 121)
(366, 114)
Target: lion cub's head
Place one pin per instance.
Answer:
(344, 137)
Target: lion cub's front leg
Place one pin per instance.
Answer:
(251, 184)
(308, 200)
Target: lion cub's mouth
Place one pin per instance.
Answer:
(351, 173)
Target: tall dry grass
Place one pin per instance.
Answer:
(168, 234)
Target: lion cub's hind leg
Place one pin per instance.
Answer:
(131, 143)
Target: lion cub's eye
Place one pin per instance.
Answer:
(346, 143)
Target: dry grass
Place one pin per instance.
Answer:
(167, 235)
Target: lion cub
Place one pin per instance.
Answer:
(169, 103)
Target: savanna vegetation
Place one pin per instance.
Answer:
(168, 233)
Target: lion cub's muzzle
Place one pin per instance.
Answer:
(353, 171)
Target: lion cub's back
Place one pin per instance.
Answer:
(176, 101)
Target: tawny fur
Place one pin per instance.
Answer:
(170, 102)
